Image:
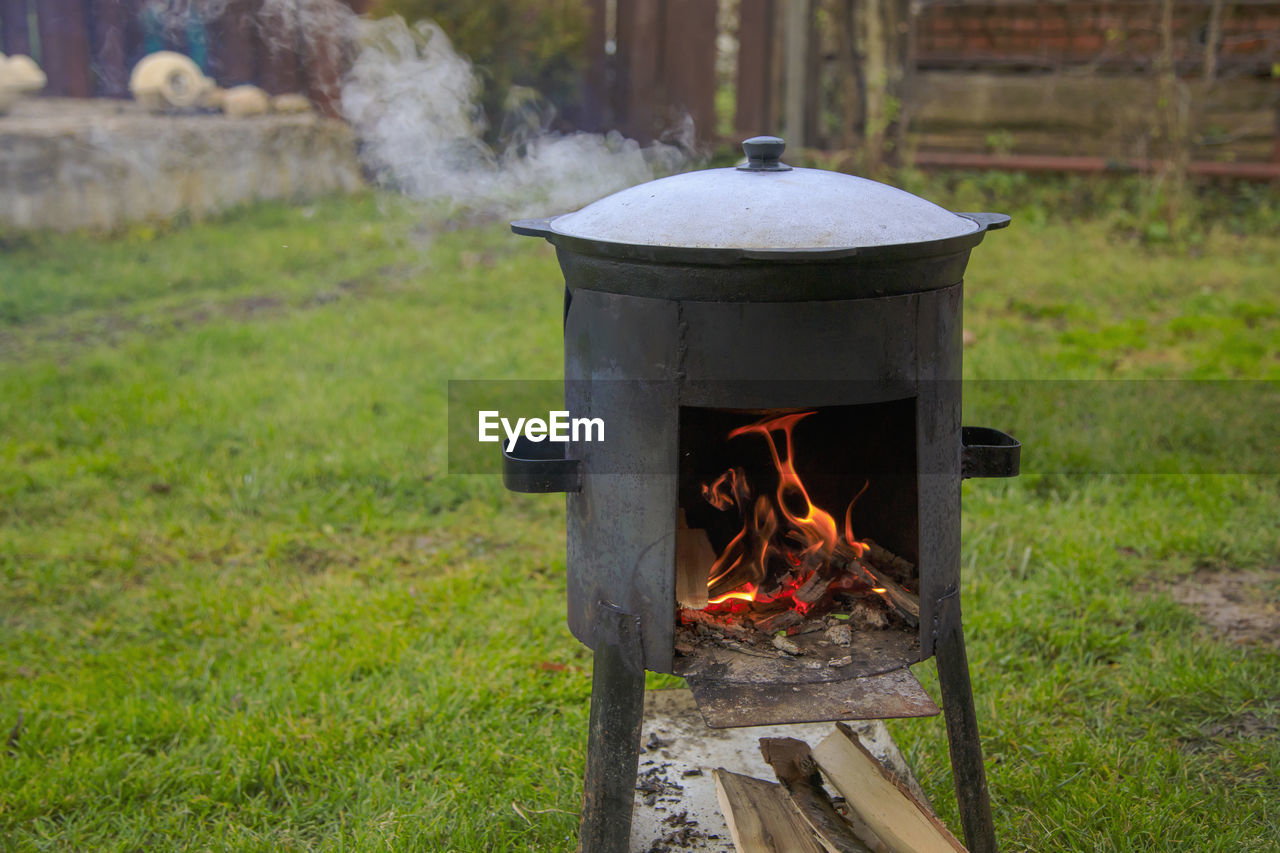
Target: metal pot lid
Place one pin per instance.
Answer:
(763, 206)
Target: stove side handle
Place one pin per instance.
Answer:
(988, 221)
(532, 227)
(987, 452)
(539, 467)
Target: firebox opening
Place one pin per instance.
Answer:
(798, 531)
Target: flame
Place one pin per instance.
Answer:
(814, 524)
(721, 493)
(747, 593)
(785, 539)
(860, 548)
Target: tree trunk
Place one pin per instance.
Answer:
(796, 29)
(849, 75)
(869, 26)
(1173, 110)
(875, 54)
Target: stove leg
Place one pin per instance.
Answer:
(962, 732)
(613, 752)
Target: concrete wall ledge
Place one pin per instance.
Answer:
(67, 164)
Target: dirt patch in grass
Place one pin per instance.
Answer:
(112, 326)
(1214, 736)
(1247, 725)
(1244, 606)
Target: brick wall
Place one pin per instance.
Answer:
(1110, 35)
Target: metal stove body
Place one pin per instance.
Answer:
(658, 334)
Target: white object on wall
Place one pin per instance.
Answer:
(246, 100)
(291, 102)
(166, 81)
(19, 75)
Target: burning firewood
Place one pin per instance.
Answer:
(905, 603)
(721, 623)
(882, 558)
(789, 550)
(779, 621)
(846, 572)
(812, 590)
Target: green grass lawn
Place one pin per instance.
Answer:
(245, 606)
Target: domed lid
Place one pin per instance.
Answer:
(762, 209)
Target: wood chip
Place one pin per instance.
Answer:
(782, 644)
(841, 635)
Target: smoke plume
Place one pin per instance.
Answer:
(414, 104)
(413, 101)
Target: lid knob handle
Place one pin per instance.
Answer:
(764, 154)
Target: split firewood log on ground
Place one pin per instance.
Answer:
(870, 810)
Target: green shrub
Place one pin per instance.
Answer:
(1129, 203)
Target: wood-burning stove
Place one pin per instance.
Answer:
(775, 355)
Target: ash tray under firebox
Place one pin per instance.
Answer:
(745, 687)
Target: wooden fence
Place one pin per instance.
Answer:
(793, 66)
(650, 62)
(801, 68)
(1107, 35)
